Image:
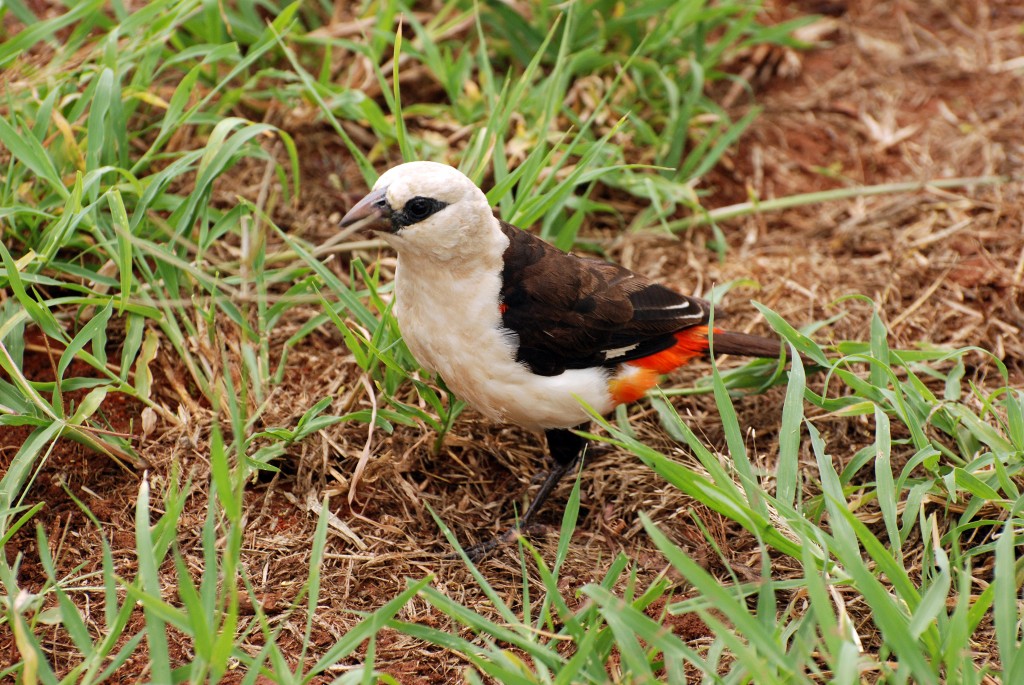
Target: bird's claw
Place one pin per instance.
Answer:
(481, 550)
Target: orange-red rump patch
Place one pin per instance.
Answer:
(640, 375)
(690, 342)
(632, 384)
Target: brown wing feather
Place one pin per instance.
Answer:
(573, 312)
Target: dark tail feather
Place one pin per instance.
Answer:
(727, 342)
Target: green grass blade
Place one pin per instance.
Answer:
(787, 472)
(149, 578)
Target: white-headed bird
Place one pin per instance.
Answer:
(519, 329)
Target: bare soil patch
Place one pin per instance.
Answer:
(901, 91)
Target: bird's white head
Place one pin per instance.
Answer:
(431, 210)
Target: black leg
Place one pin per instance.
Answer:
(565, 448)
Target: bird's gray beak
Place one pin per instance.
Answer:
(373, 208)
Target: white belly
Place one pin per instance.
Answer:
(453, 327)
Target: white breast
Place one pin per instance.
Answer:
(452, 325)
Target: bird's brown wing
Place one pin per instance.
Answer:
(573, 312)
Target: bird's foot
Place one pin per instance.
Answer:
(482, 550)
(570, 448)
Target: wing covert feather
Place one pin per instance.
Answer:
(572, 312)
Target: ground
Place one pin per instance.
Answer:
(892, 91)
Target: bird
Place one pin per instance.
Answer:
(523, 332)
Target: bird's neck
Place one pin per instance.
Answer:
(464, 281)
(476, 250)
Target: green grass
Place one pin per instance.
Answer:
(119, 127)
(797, 630)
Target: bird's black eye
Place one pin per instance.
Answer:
(416, 210)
